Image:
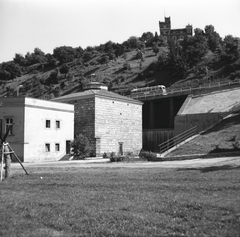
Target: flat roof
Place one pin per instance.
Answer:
(35, 103)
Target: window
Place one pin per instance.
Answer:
(48, 123)
(57, 147)
(47, 147)
(9, 125)
(57, 124)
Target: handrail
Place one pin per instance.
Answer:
(185, 89)
(178, 139)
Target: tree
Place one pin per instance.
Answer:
(108, 47)
(78, 52)
(140, 55)
(155, 48)
(64, 54)
(64, 68)
(87, 55)
(146, 36)
(194, 48)
(133, 42)
(4, 75)
(213, 37)
(176, 62)
(119, 50)
(19, 59)
(13, 68)
(80, 147)
(104, 59)
(53, 78)
(39, 52)
(231, 47)
(198, 31)
(38, 56)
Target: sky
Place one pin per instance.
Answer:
(47, 24)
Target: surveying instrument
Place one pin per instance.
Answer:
(6, 152)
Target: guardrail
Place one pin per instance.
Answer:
(184, 90)
(165, 146)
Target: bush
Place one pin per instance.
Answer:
(80, 147)
(235, 74)
(64, 69)
(150, 156)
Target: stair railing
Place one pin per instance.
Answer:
(178, 139)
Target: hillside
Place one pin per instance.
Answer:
(121, 72)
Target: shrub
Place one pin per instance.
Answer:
(115, 157)
(80, 147)
(147, 155)
(105, 155)
(235, 74)
(236, 145)
(64, 69)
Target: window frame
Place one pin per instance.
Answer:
(57, 146)
(47, 147)
(46, 121)
(7, 124)
(58, 124)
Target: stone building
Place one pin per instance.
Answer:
(167, 33)
(112, 123)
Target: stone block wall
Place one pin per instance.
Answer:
(117, 124)
(85, 118)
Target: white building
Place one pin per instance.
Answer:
(41, 130)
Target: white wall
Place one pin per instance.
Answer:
(37, 135)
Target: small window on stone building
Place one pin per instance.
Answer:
(47, 147)
(48, 123)
(57, 147)
(57, 124)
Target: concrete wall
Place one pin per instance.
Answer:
(37, 135)
(118, 122)
(187, 121)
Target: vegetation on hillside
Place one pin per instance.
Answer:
(137, 62)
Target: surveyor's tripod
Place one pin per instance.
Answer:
(7, 153)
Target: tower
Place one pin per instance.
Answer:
(165, 28)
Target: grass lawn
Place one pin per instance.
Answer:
(121, 202)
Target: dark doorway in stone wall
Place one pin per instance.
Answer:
(120, 148)
(68, 147)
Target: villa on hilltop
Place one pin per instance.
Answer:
(167, 33)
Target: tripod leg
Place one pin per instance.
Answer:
(17, 159)
(20, 163)
(2, 164)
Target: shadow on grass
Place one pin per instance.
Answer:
(211, 168)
